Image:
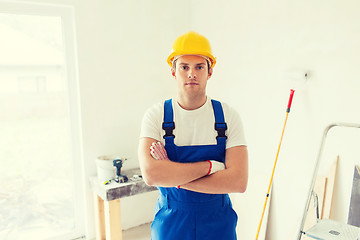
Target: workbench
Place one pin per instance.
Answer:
(107, 202)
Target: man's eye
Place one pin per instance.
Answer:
(184, 67)
(200, 67)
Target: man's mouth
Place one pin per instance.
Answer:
(191, 83)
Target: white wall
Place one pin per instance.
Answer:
(257, 43)
(122, 47)
(122, 59)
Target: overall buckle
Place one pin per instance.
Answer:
(221, 128)
(168, 127)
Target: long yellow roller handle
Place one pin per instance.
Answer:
(276, 158)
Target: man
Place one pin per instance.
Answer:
(193, 149)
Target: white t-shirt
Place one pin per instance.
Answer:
(193, 127)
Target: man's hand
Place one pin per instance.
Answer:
(166, 173)
(215, 166)
(158, 151)
(232, 179)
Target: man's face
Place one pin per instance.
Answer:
(191, 74)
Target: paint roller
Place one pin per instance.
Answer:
(296, 79)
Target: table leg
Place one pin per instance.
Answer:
(100, 218)
(108, 219)
(113, 220)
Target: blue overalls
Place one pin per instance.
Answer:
(186, 215)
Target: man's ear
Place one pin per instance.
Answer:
(173, 72)
(210, 73)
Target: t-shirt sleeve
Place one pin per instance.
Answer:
(151, 122)
(235, 132)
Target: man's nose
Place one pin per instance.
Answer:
(192, 74)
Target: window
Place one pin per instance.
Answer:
(34, 84)
(40, 154)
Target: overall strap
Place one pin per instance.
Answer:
(168, 124)
(220, 124)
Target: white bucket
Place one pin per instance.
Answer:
(105, 167)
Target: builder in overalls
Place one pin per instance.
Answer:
(193, 149)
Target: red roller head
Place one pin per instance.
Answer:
(292, 91)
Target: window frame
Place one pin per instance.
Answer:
(67, 15)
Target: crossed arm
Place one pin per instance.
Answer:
(192, 176)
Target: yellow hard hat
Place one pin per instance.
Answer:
(191, 43)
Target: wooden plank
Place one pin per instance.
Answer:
(113, 220)
(324, 187)
(100, 218)
(107, 203)
(319, 189)
(262, 233)
(115, 190)
(331, 175)
(128, 189)
(354, 209)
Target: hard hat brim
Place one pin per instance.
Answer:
(178, 53)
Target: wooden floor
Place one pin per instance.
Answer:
(138, 233)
